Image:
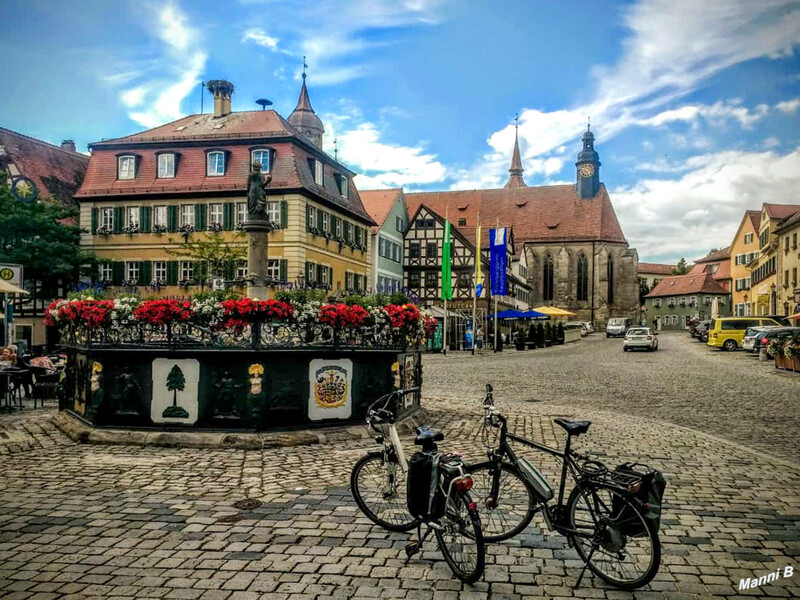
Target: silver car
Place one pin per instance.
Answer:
(617, 326)
(749, 341)
(640, 337)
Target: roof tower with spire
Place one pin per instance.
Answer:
(304, 118)
(515, 179)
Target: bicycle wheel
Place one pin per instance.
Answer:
(600, 516)
(460, 539)
(511, 512)
(379, 489)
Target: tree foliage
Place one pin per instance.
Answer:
(644, 289)
(682, 268)
(42, 237)
(214, 250)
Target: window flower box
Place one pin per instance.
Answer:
(215, 227)
(104, 231)
(186, 229)
(159, 229)
(130, 229)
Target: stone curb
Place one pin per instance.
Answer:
(82, 433)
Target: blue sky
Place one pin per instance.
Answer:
(694, 104)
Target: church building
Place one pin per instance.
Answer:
(576, 255)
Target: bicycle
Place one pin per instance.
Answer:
(431, 490)
(610, 530)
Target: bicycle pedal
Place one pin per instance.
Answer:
(412, 549)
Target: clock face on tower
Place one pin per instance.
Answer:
(586, 170)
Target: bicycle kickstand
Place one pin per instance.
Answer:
(585, 565)
(414, 547)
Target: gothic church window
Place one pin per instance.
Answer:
(547, 279)
(583, 279)
(610, 273)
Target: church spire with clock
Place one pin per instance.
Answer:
(588, 167)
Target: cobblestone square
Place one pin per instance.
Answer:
(80, 521)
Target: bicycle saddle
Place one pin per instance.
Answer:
(573, 427)
(427, 434)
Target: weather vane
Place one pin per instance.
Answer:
(305, 66)
(588, 123)
(335, 150)
(516, 120)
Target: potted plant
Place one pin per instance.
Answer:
(775, 348)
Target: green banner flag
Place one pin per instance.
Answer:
(447, 283)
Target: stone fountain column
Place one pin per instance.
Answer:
(257, 229)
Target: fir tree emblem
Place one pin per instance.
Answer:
(175, 382)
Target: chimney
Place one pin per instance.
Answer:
(222, 91)
(68, 145)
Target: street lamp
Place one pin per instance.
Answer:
(773, 299)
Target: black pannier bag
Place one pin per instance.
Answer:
(424, 499)
(647, 499)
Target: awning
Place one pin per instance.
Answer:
(518, 314)
(7, 288)
(793, 317)
(438, 313)
(552, 311)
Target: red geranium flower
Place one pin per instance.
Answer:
(161, 312)
(342, 316)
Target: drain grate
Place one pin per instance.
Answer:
(247, 504)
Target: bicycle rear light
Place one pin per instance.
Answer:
(464, 484)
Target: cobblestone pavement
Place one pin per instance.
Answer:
(80, 521)
(729, 394)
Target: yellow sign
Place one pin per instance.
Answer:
(330, 386)
(6, 274)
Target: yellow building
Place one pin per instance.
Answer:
(744, 250)
(787, 234)
(147, 193)
(764, 267)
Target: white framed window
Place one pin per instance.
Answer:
(241, 270)
(274, 269)
(107, 217)
(342, 181)
(106, 272)
(326, 222)
(274, 211)
(132, 272)
(312, 216)
(318, 174)
(324, 276)
(126, 167)
(187, 214)
(166, 166)
(216, 164)
(187, 270)
(160, 271)
(261, 156)
(215, 214)
(748, 238)
(348, 280)
(400, 224)
(381, 247)
(132, 216)
(160, 216)
(241, 213)
(338, 228)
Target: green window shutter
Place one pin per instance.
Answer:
(145, 213)
(284, 215)
(309, 271)
(144, 272)
(319, 219)
(309, 222)
(200, 271)
(334, 218)
(283, 270)
(319, 272)
(199, 217)
(95, 219)
(117, 272)
(346, 231)
(358, 235)
(227, 216)
(330, 277)
(172, 272)
(229, 270)
(118, 218)
(172, 219)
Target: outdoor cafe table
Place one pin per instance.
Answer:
(6, 376)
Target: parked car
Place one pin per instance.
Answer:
(698, 327)
(640, 337)
(765, 337)
(781, 319)
(618, 326)
(727, 333)
(750, 335)
(576, 324)
(589, 327)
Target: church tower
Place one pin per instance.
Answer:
(588, 167)
(304, 118)
(515, 179)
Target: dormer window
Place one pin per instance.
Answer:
(166, 166)
(215, 165)
(126, 167)
(261, 156)
(316, 170)
(341, 182)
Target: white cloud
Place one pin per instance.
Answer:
(671, 47)
(661, 217)
(789, 107)
(259, 36)
(160, 84)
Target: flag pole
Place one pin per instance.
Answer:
(475, 291)
(496, 324)
(444, 292)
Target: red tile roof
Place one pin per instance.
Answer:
(788, 223)
(718, 256)
(780, 211)
(655, 268)
(755, 218)
(57, 173)
(240, 132)
(379, 203)
(681, 285)
(537, 214)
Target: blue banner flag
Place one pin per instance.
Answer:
(497, 261)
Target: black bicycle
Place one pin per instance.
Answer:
(432, 488)
(613, 530)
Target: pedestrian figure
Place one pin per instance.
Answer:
(479, 338)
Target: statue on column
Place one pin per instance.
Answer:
(257, 194)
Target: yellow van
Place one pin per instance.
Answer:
(727, 333)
